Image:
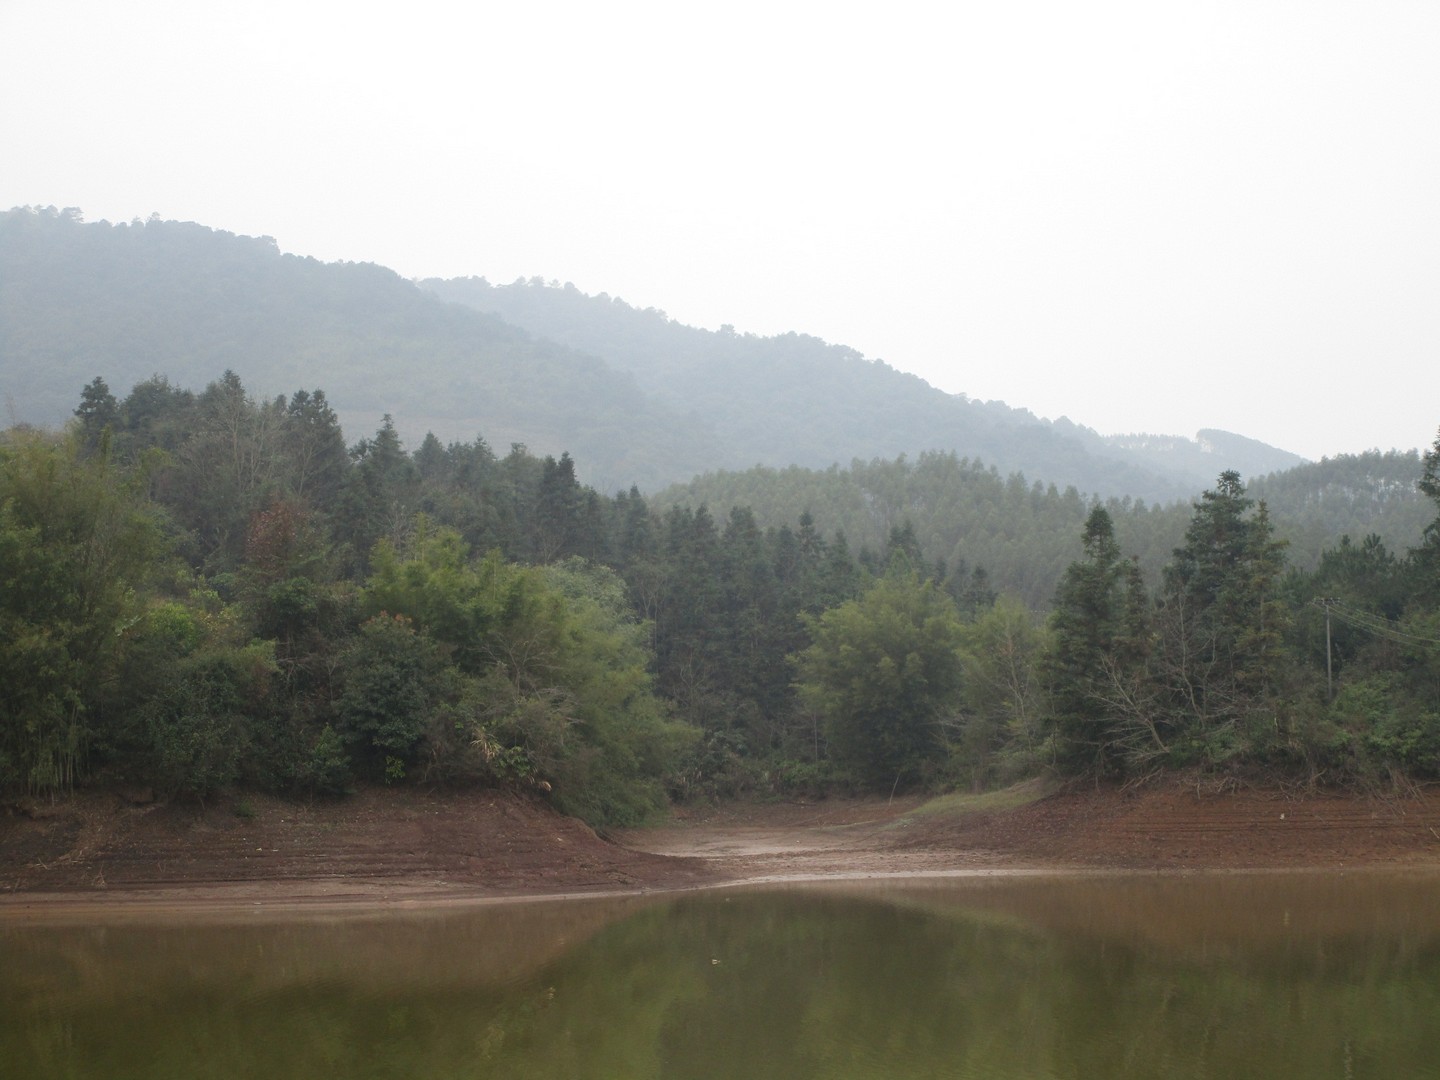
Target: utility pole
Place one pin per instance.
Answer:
(1325, 602)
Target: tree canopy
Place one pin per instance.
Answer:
(883, 671)
(207, 590)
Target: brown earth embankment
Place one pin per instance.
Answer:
(407, 846)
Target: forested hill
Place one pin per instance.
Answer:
(1024, 534)
(127, 302)
(204, 589)
(634, 396)
(795, 400)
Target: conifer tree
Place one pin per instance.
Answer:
(1097, 618)
(381, 492)
(97, 411)
(1220, 612)
(1426, 558)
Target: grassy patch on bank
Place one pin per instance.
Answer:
(960, 803)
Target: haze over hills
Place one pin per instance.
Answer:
(126, 302)
(634, 396)
(1025, 535)
(794, 400)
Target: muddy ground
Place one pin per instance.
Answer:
(403, 846)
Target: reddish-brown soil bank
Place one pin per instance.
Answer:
(391, 846)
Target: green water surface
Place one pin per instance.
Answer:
(1305, 976)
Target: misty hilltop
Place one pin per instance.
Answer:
(636, 397)
(795, 400)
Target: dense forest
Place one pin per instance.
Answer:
(635, 397)
(204, 590)
(1026, 533)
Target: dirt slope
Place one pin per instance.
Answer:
(388, 845)
(1177, 824)
(378, 843)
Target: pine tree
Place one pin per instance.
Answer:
(1096, 618)
(1425, 559)
(314, 448)
(559, 512)
(1220, 613)
(381, 493)
(97, 412)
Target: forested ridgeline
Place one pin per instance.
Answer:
(636, 397)
(131, 300)
(1024, 534)
(792, 399)
(204, 590)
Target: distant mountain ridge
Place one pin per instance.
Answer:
(126, 302)
(766, 393)
(634, 396)
(1197, 457)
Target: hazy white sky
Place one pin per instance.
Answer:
(1146, 216)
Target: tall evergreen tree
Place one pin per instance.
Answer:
(1099, 641)
(381, 493)
(1425, 559)
(686, 649)
(559, 520)
(1221, 616)
(314, 448)
(98, 411)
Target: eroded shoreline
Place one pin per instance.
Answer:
(386, 852)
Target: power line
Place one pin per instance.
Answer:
(1379, 624)
(1372, 623)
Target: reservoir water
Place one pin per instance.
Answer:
(1276, 976)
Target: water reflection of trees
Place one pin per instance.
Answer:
(1032, 979)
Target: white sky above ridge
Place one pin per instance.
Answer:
(1145, 216)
